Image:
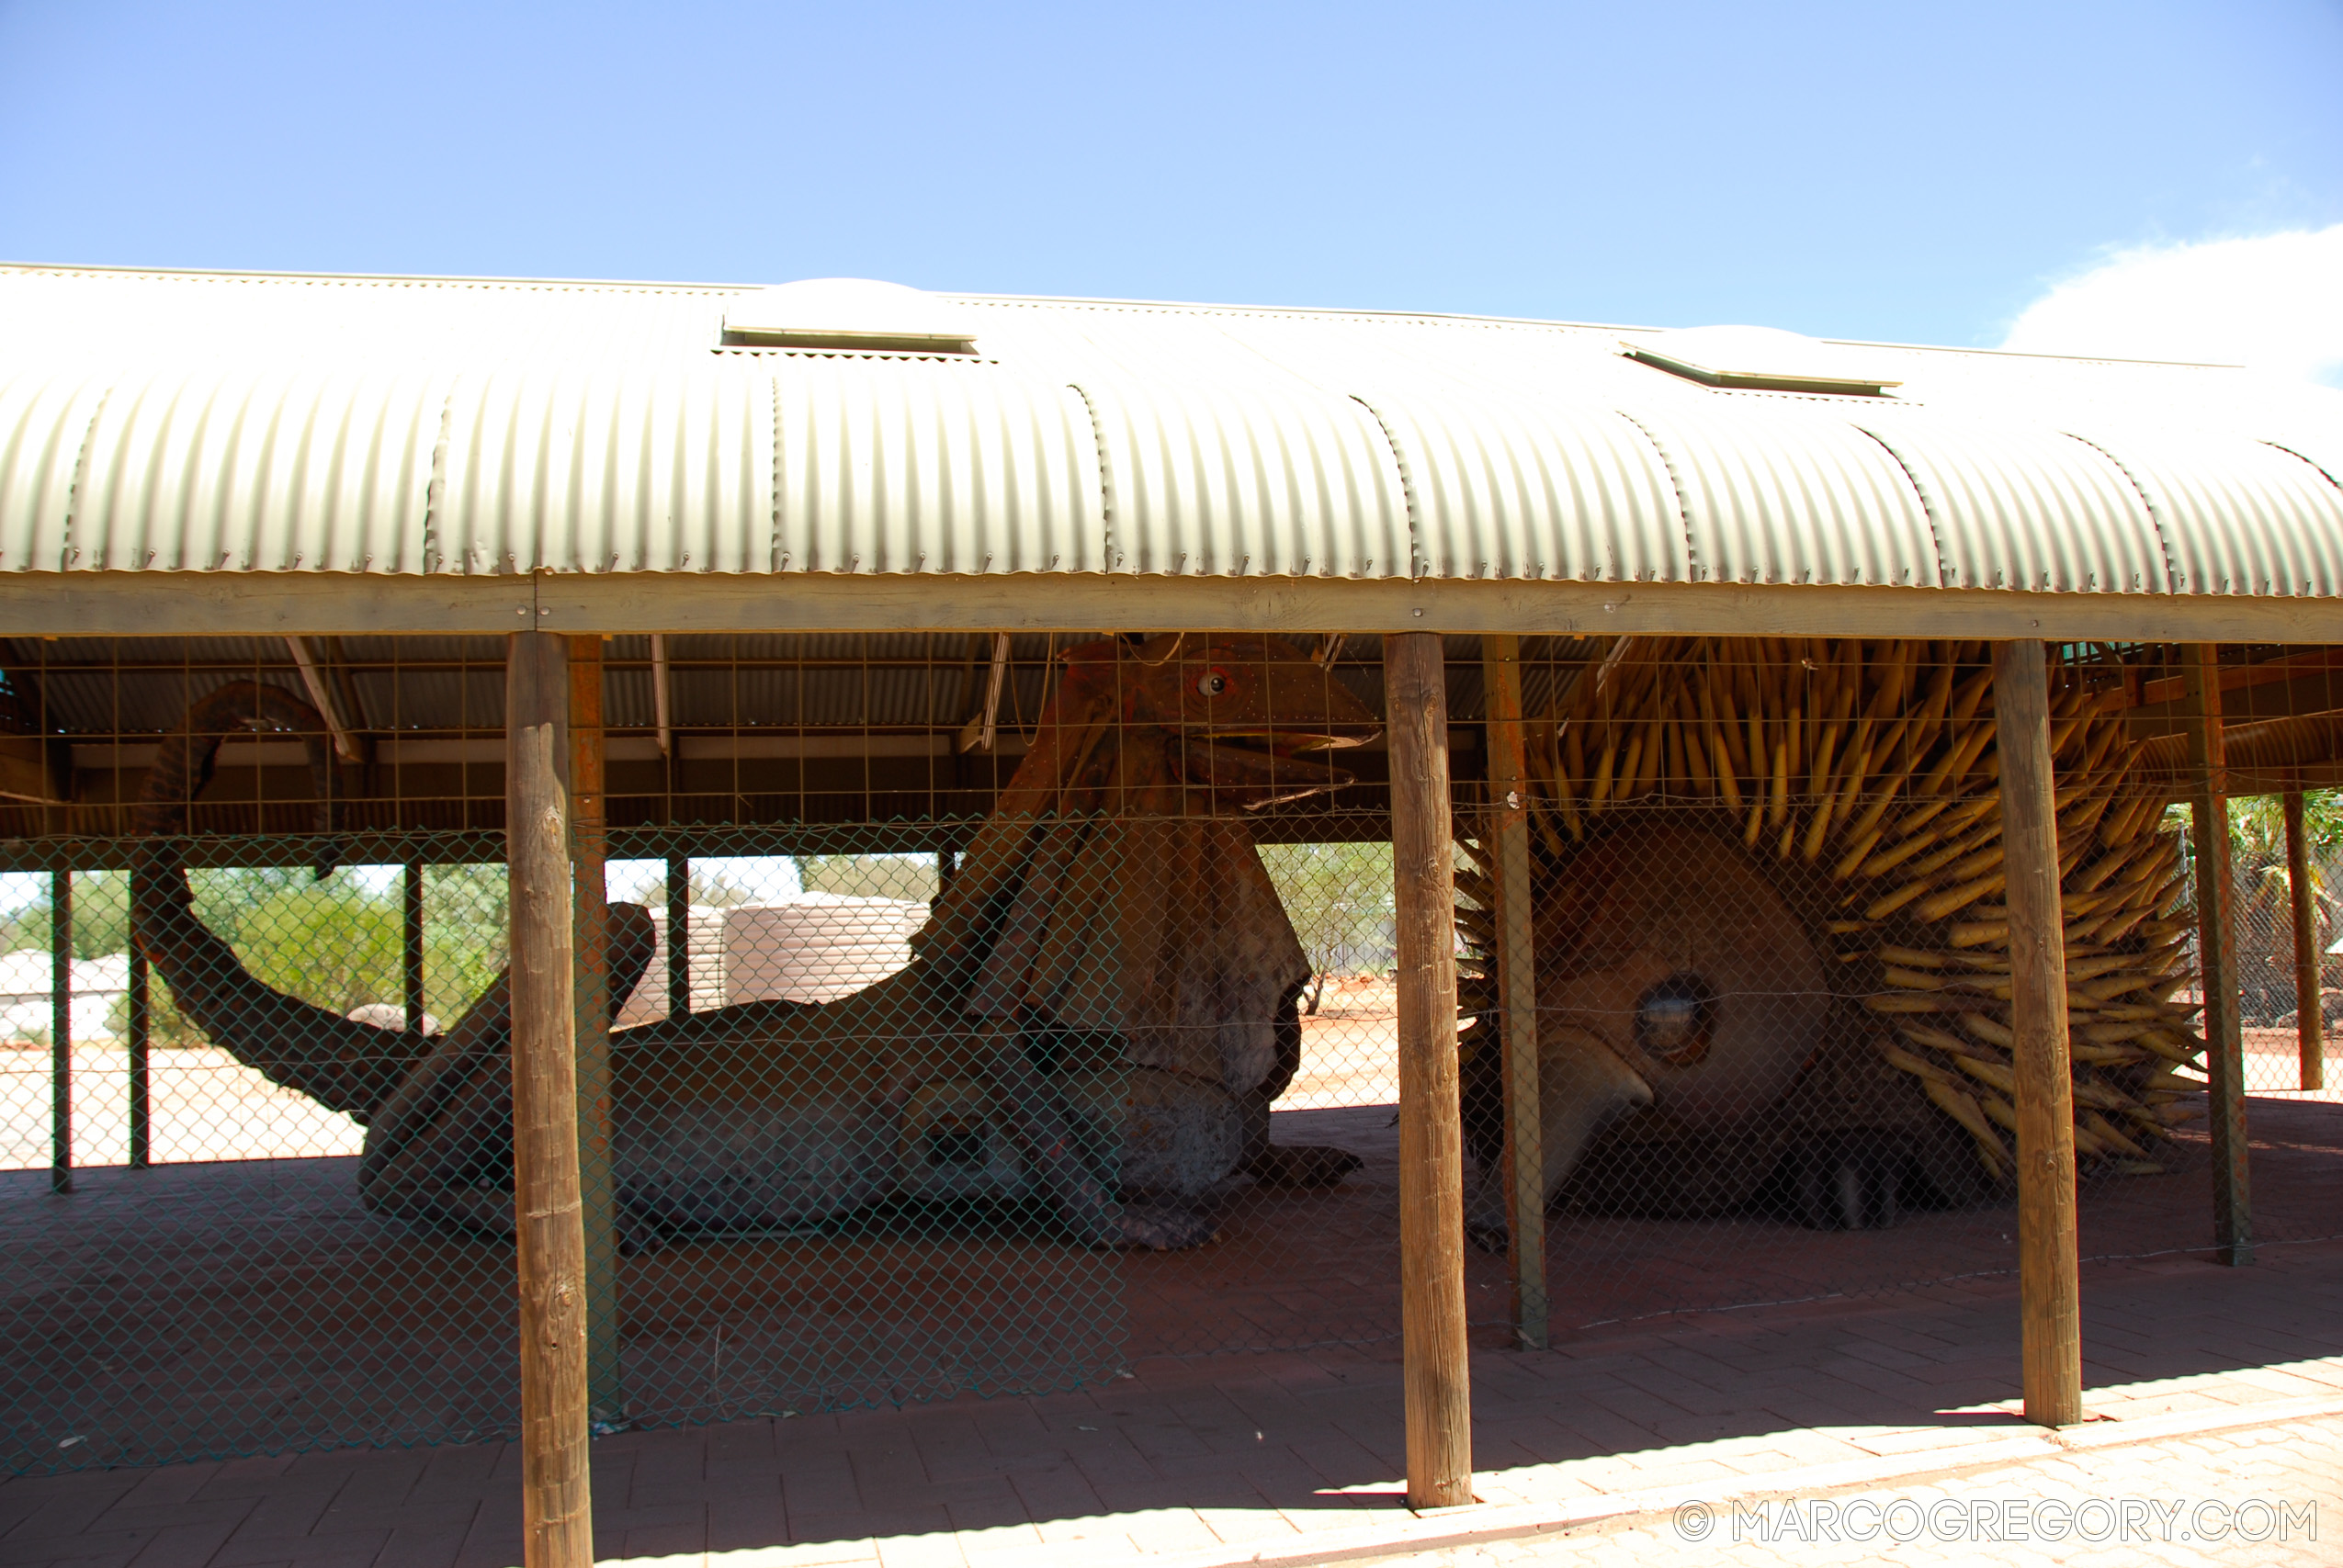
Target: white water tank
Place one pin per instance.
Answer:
(817, 947)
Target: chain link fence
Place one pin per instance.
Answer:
(989, 1017)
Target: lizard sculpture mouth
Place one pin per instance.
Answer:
(1251, 720)
(1257, 771)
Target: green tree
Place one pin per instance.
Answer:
(465, 927)
(910, 876)
(2264, 890)
(333, 942)
(101, 916)
(1339, 897)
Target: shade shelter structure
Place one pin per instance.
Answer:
(556, 576)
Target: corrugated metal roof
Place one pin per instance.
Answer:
(2238, 515)
(100, 701)
(2013, 507)
(906, 466)
(658, 468)
(468, 426)
(260, 468)
(1237, 479)
(1534, 489)
(1776, 494)
(45, 414)
(384, 685)
(402, 697)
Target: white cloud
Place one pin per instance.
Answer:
(2272, 301)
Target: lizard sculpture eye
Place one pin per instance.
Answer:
(1675, 1019)
(1213, 682)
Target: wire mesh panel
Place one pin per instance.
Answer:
(213, 1281)
(191, 1267)
(1772, 976)
(975, 1015)
(885, 1103)
(823, 1197)
(1305, 1248)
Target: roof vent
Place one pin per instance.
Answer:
(1764, 358)
(848, 313)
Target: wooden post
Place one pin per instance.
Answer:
(597, 1191)
(1436, 1373)
(142, 1027)
(2233, 1236)
(556, 1510)
(679, 935)
(60, 1031)
(1516, 985)
(2310, 1021)
(410, 944)
(2049, 1291)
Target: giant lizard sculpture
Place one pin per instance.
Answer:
(1099, 1011)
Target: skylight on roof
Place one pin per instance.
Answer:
(856, 313)
(1759, 358)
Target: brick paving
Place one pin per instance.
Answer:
(2138, 1503)
(253, 1306)
(1218, 1459)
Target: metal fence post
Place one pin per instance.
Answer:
(2049, 1298)
(2310, 997)
(1516, 985)
(1436, 1371)
(60, 1031)
(555, 1506)
(679, 935)
(140, 1025)
(410, 944)
(2233, 1236)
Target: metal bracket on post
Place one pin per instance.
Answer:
(1509, 817)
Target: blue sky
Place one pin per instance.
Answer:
(1899, 172)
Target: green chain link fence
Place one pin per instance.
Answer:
(1008, 1099)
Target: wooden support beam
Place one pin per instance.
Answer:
(662, 706)
(597, 1191)
(323, 700)
(556, 1510)
(1435, 1372)
(141, 1027)
(1516, 984)
(2233, 1237)
(60, 1031)
(255, 603)
(2049, 1293)
(2310, 1020)
(679, 935)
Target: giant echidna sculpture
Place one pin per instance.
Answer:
(1772, 950)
